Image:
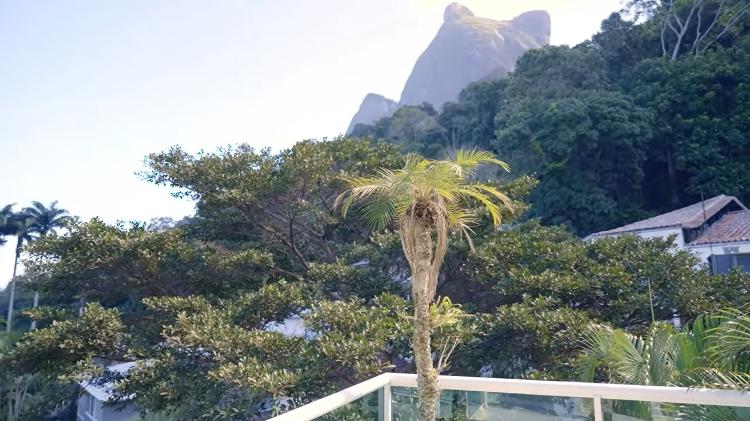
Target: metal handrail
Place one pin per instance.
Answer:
(594, 391)
(334, 401)
(629, 392)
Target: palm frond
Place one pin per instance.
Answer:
(708, 413)
(378, 212)
(360, 188)
(714, 378)
(627, 360)
(441, 186)
(467, 161)
(665, 349)
(484, 200)
(732, 344)
(596, 342)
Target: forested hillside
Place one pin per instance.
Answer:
(639, 120)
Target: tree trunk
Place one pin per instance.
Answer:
(427, 377)
(12, 296)
(420, 254)
(36, 304)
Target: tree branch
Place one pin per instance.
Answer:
(683, 28)
(701, 38)
(743, 10)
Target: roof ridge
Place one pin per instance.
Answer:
(687, 217)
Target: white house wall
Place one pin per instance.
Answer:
(664, 233)
(703, 251)
(103, 411)
(657, 233)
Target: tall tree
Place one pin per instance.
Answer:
(22, 227)
(691, 27)
(45, 220)
(426, 198)
(122, 264)
(6, 216)
(282, 201)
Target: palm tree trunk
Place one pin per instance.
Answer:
(11, 298)
(427, 378)
(36, 304)
(421, 257)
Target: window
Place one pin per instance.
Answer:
(723, 263)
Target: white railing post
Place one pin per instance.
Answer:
(598, 413)
(384, 403)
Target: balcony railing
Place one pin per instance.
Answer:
(392, 397)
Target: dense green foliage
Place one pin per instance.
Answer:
(597, 135)
(198, 303)
(615, 128)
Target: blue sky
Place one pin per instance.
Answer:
(88, 88)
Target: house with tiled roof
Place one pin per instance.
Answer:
(717, 230)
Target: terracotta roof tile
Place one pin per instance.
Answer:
(732, 227)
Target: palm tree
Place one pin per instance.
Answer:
(6, 216)
(21, 226)
(426, 198)
(711, 352)
(45, 220)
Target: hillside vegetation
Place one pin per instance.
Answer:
(624, 126)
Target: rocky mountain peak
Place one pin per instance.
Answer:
(373, 108)
(455, 11)
(466, 48)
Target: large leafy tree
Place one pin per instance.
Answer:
(224, 359)
(536, 338)
(700, 143)
(121, 264)
(616, 280)
(584, 142)
(470, 121)
(283, 201)
(41, 370)
(426, 198)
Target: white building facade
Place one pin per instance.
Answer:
(716, 230)
(96, 401)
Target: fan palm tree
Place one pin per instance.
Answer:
(426, 199)
(712, 352)
(45, 220)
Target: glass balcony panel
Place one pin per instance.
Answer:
(622, 410)
(366, 408)
(482, 406)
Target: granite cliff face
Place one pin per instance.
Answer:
(467, 48)
(373, 108)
